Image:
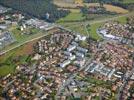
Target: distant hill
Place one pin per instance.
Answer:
(37, 8)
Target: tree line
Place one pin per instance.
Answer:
(119, 3)
(36, 8)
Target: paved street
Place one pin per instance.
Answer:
(125, 82)
(85, 23)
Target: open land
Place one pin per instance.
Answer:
(77, 57)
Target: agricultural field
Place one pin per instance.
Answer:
(110, 8)
(73, 16)
(17, 33)
(21, 39)
(7, 63)
(61, 3)
(128, 1)
(7, 60)
(75, 19)
(76, 25)
(91, 30)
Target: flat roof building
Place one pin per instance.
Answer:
(5, 39)
(67, 53)
(73, 57)
(65, 63)
(82, 49)
(71, 48)
(81, 55)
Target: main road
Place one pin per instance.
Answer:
(18, 45)
(100, 20)
(85, 23)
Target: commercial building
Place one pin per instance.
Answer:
(101, 69)
(105, 34)
(40, 24)
(6, 38)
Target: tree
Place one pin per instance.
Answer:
(36, 8)
(101, 3)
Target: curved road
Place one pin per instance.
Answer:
(85, 23)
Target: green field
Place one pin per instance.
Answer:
(6, 60)
(17, 33)
(7, 64)
(89, 31)
(20, 39)
(94, 27)
(73, 16)
(122, 20)
(6, 70)
(128, 1)
(92, 32)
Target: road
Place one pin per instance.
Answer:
(100, 21)
(85, 23)
(125, 81)
(3, 52)
(72, 76)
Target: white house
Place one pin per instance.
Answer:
(65, 63)
(71, 48)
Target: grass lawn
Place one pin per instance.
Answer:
(92, 32)
(128, 1)
(81, 29)
(20, 51)
(17, 33)
(7, 64)
(95, 81)
(6, 69)
(73, 16)
(122, 20)
(62, 3)
(110, 8)
(20, 39)
(95, 26)
(78, 27)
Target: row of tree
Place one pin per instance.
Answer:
(36, 8)
(129, 6)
